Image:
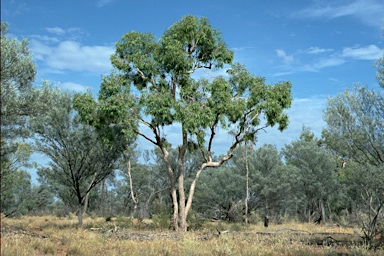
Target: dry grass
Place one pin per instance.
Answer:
(50, 235)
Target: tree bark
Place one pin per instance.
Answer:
(131, 189)
(86, 203)
(183, 213)
(322, 209)
(175, 215)
(80, 216)
(246, 184)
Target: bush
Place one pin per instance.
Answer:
(161, 220)
(194, 221)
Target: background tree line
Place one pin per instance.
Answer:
(95, 168)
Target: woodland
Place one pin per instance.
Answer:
(95, 168)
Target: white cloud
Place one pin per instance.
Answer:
(317, 50)
(325, 58)
(56, 31)
(327, 62)
(287, 59)
(370, 12)
(71, 55)
(370, 52)
(72, 33)
(45, 38)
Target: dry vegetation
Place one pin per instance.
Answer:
(48, 235)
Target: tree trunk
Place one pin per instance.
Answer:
(182, 213)
(322, 210)
(175, 215)
(131, 189)
(145, 210)
(80, 216)
(246, 184)
(86, 198)
(86, 203)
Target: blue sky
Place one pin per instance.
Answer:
(321, 46)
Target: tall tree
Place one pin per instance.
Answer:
(355, 132)
(166, 94)
(78, 159)
(17, 73)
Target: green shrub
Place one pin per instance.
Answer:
(162, 220)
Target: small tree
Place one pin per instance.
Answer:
(315, 174)
(166, 94)
(78, 158)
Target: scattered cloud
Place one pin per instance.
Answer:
(369, 12)
(287, 59)
(56, 30)
(316, 50)
(315, 58)
(71, 55)
(71, 33)
(326, 62)
(45, 38)
(370, 52)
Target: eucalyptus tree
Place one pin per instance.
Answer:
(78, 158)
(316, 178)
(153, 85)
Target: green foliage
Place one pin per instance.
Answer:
(17, 74)
(17, 67)
(314, 175)
(166, 94)
(355, 129)
(15, 190)
(380, 71)
(218, 193)
(162, 220)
